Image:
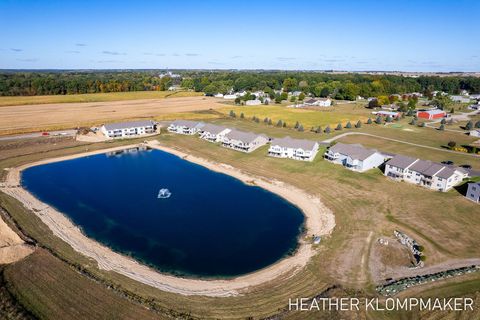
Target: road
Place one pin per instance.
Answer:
(400, 141)
(61, 133)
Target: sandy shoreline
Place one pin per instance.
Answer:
(319, 221)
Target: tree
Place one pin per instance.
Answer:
(349, 125)
(257, 120)
(421, 124)
(469, 125)
(378, 120)
(452, 144)
(284, 124)
(265, 120)
(242, 116)
(237, 100)
(296, 125)
(232, 114)
(359, 124)
(388, 119)
(293, 99)
(477, 124)
(443, 121)
(269, 122)
(452, 111)
(413, 122)
(412, 104)
(300, 128)
(441, 102)
(339, 127)
(442, 127)
(278, 98)
(254, 118)
(328, 130)
(301, 97)
(280, 123)
(369, 121)
(289, 84)
(284, 96)
(318, 129)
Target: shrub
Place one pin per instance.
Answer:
(421, 124)
(369, 121)
(280, 123)
(300, 128)
(327, 129)
(349, 125)
(339, 127)
(269, 122)
(388, 119)
(242, 116)
(469, 125)
(232, 114)
(477, 124)
(378, 120)
(296, 125)
(442, 127)
(413, 122)
(359, 124)
(444, 121)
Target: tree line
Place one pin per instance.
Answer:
(338, 86)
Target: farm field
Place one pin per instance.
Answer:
(94, 97)
(29, 118)
(362, 204)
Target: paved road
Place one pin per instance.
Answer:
(400, 141)
(61, 133)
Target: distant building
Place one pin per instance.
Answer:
(218, 95)
(297, 149)
(460, 99)
(169, 74)
(473, 192)
(431, 114)
(243, 141)
(354, 156)
(128, 129)
(213, 133)
(185, 127)
(255, 102)
(321, 102)
(385, 114)
(427, 174)
(230, 96)
(174, 88)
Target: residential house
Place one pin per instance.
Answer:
(354, 156)
(431, 114)
(475, 133)
(320, 102)
(243, 141)
(230, 96)
(473, 192)
(214, 133)
(460, 99)
(297, 149)
(386, 114)
(255, 102)
(128, 129)
(218, 95)
(185, 127)
(427, 174)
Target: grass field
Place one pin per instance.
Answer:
(445, 224)
(95, 97)
(340, 113)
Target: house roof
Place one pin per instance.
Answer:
(213, 129)
(245, 137)
(313, 100)
(401, 162)
(288, 142)
(128, 124)
(188, 123)
(435, 111)
(354, 151)
(446, 173)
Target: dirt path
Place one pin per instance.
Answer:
(319, 220)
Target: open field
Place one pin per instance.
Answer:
(312, 117)
(29, 118)
(95, 97)
(363, 208)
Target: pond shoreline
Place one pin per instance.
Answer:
(319, 221)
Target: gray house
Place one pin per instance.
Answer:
(185, 127)
(354, 156)
(243, 141)
(473, 192)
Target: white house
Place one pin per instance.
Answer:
(297, 149)
(243, 141)
(475, 133)
(321, 102)
(185, 127)
(255, 102)
(230, 96)
(218, 95)
(214, 133)
(427, 174)
(460, 99)
(128, 129)
(354, 156)
(473, 192)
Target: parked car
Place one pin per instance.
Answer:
(466, 166)
(447, 162)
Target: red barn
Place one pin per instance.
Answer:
(431, 114)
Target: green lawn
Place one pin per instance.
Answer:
(94, 97)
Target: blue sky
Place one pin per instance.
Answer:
(316, 35)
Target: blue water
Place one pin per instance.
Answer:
(212, 225)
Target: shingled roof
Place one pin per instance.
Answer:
(245, 137)
(128, 124)
(401, 162)
(213, 129)
(354, 151)
(288, 142)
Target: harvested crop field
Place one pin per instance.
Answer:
(37, 117)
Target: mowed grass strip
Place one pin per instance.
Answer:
(95, 97)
